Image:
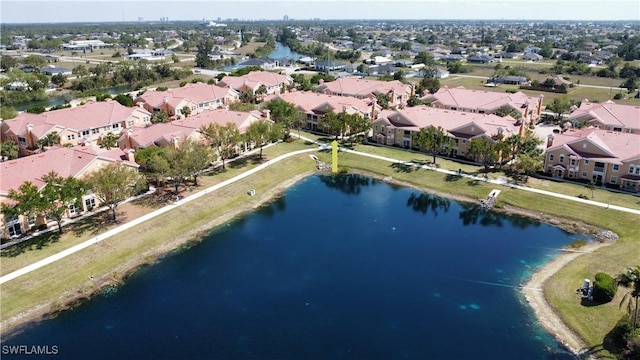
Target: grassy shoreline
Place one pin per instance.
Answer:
(56, 287)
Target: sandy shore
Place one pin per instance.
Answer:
(533, 292)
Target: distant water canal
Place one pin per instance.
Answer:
(337, 268)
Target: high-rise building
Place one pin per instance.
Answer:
(285, 18)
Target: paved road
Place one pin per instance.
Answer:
(580, 85)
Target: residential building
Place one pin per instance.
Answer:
(607, 115)
(77, 162)
(197, 97)
(84, 124)
(396, 128)
(605, 157)
(485, 102)
(368, 89)
(273, 82)
(313, 105)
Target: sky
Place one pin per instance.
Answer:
(56, 11)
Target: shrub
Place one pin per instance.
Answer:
(617, 96)
(604, 288)
(183, 83)
(577, 244)
(162, 88)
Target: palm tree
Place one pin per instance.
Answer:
(631, 278)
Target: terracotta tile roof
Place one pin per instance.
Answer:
(90, 115)
(64, 161)
(196, 92)
(157, 134)
(219, 116)
(363, 88)
(254, 79)
(308, 101)
(417, 117)
(480, 99)
(609, 113)
(621, 146)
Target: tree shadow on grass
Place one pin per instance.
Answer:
(473, 182)
(236, 164)
(92, 225)
(402, 168)
(452, 178)
(36, 243)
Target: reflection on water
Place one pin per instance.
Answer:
(423, 202)
(350, 184)
(472, 214)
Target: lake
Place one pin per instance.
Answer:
(338, 267)
(280, 52)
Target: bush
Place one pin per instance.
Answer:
(162, 88)
(604, 288)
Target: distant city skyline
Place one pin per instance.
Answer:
(32, 11)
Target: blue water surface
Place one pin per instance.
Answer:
(337, 268)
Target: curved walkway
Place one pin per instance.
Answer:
(107, 234)
(99, 238)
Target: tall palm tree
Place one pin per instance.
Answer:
(631, 278)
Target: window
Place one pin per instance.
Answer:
(14, 229)
(584, 174)
(130, 123)
(146, 119)
(85, 132)
(71, 136)
(72, 209)
(22, 141)
(90, 203)
(617, 129)
(116, 126)
(32, 221)
(586, 161)
(614, 180)
(95, 131)
(573, 161)
(13, 226)
(551, 157)
(562, 159)
(616, 167)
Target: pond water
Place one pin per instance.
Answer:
(280, 52)
(340, 267)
